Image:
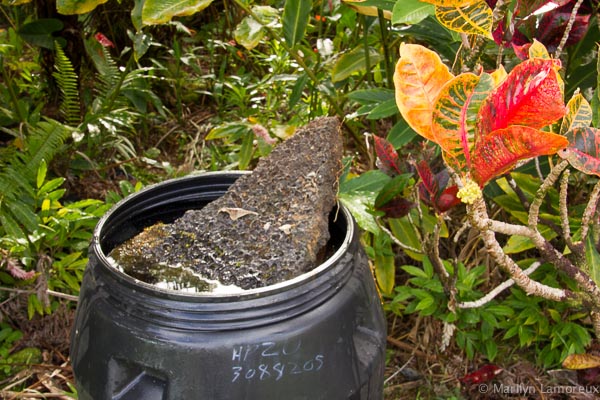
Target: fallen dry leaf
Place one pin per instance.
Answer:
(236, 213)
(581, 361)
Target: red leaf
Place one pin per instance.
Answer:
(583, 152)
(428, 187)
(397, 208)
(433, 190)
(553, 24)
(499, 152)
(447, 199)
(387, 155)
(531, 95)
(483, 374)
(103, 40)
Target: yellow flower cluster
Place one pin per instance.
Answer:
(470, 192)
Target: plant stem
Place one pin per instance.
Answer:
(386, 51)
(479, 218)
(567, 32)
(534, 209)
(589, 212)
(497, 290)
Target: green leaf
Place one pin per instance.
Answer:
(156, 12)
(372, 96)
(401, 134)
(426, 305)
(385, 269)
(593, 260)
(384, 110)
(355, 61)
(141, 43)
(67, 260)
(359, 204)
(500, 310)
(404, 231)
(298, 90)
(411, 12)
(34, 305)
(294, 20)
(50, 186)
(415, 271)
(24, 215)
(228, 132)
(249, 31)
(491, 349)
(40, 32)
(370, 181)
(41, 174)
(246, 150)
(69, 7)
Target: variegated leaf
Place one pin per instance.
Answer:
(531, 95)
(449, 3)
(473, 17)
(454, 116)
(583, 151)
(418, 78)
(499, 152)
(579, 114)
(538, 50)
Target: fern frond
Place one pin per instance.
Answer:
(18, 177)
(108, 75)
(43, 143)
(67, 81)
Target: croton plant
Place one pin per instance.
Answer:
(487, 123)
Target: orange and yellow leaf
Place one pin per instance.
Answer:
(418, 78)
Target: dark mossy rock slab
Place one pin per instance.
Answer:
(270, 226)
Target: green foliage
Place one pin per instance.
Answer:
(552, 329)
(120, 98)
(8, 336)
(54, 241)
(18, 176)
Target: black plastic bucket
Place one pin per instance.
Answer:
(318, 336)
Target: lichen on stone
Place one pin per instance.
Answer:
(270, 226)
